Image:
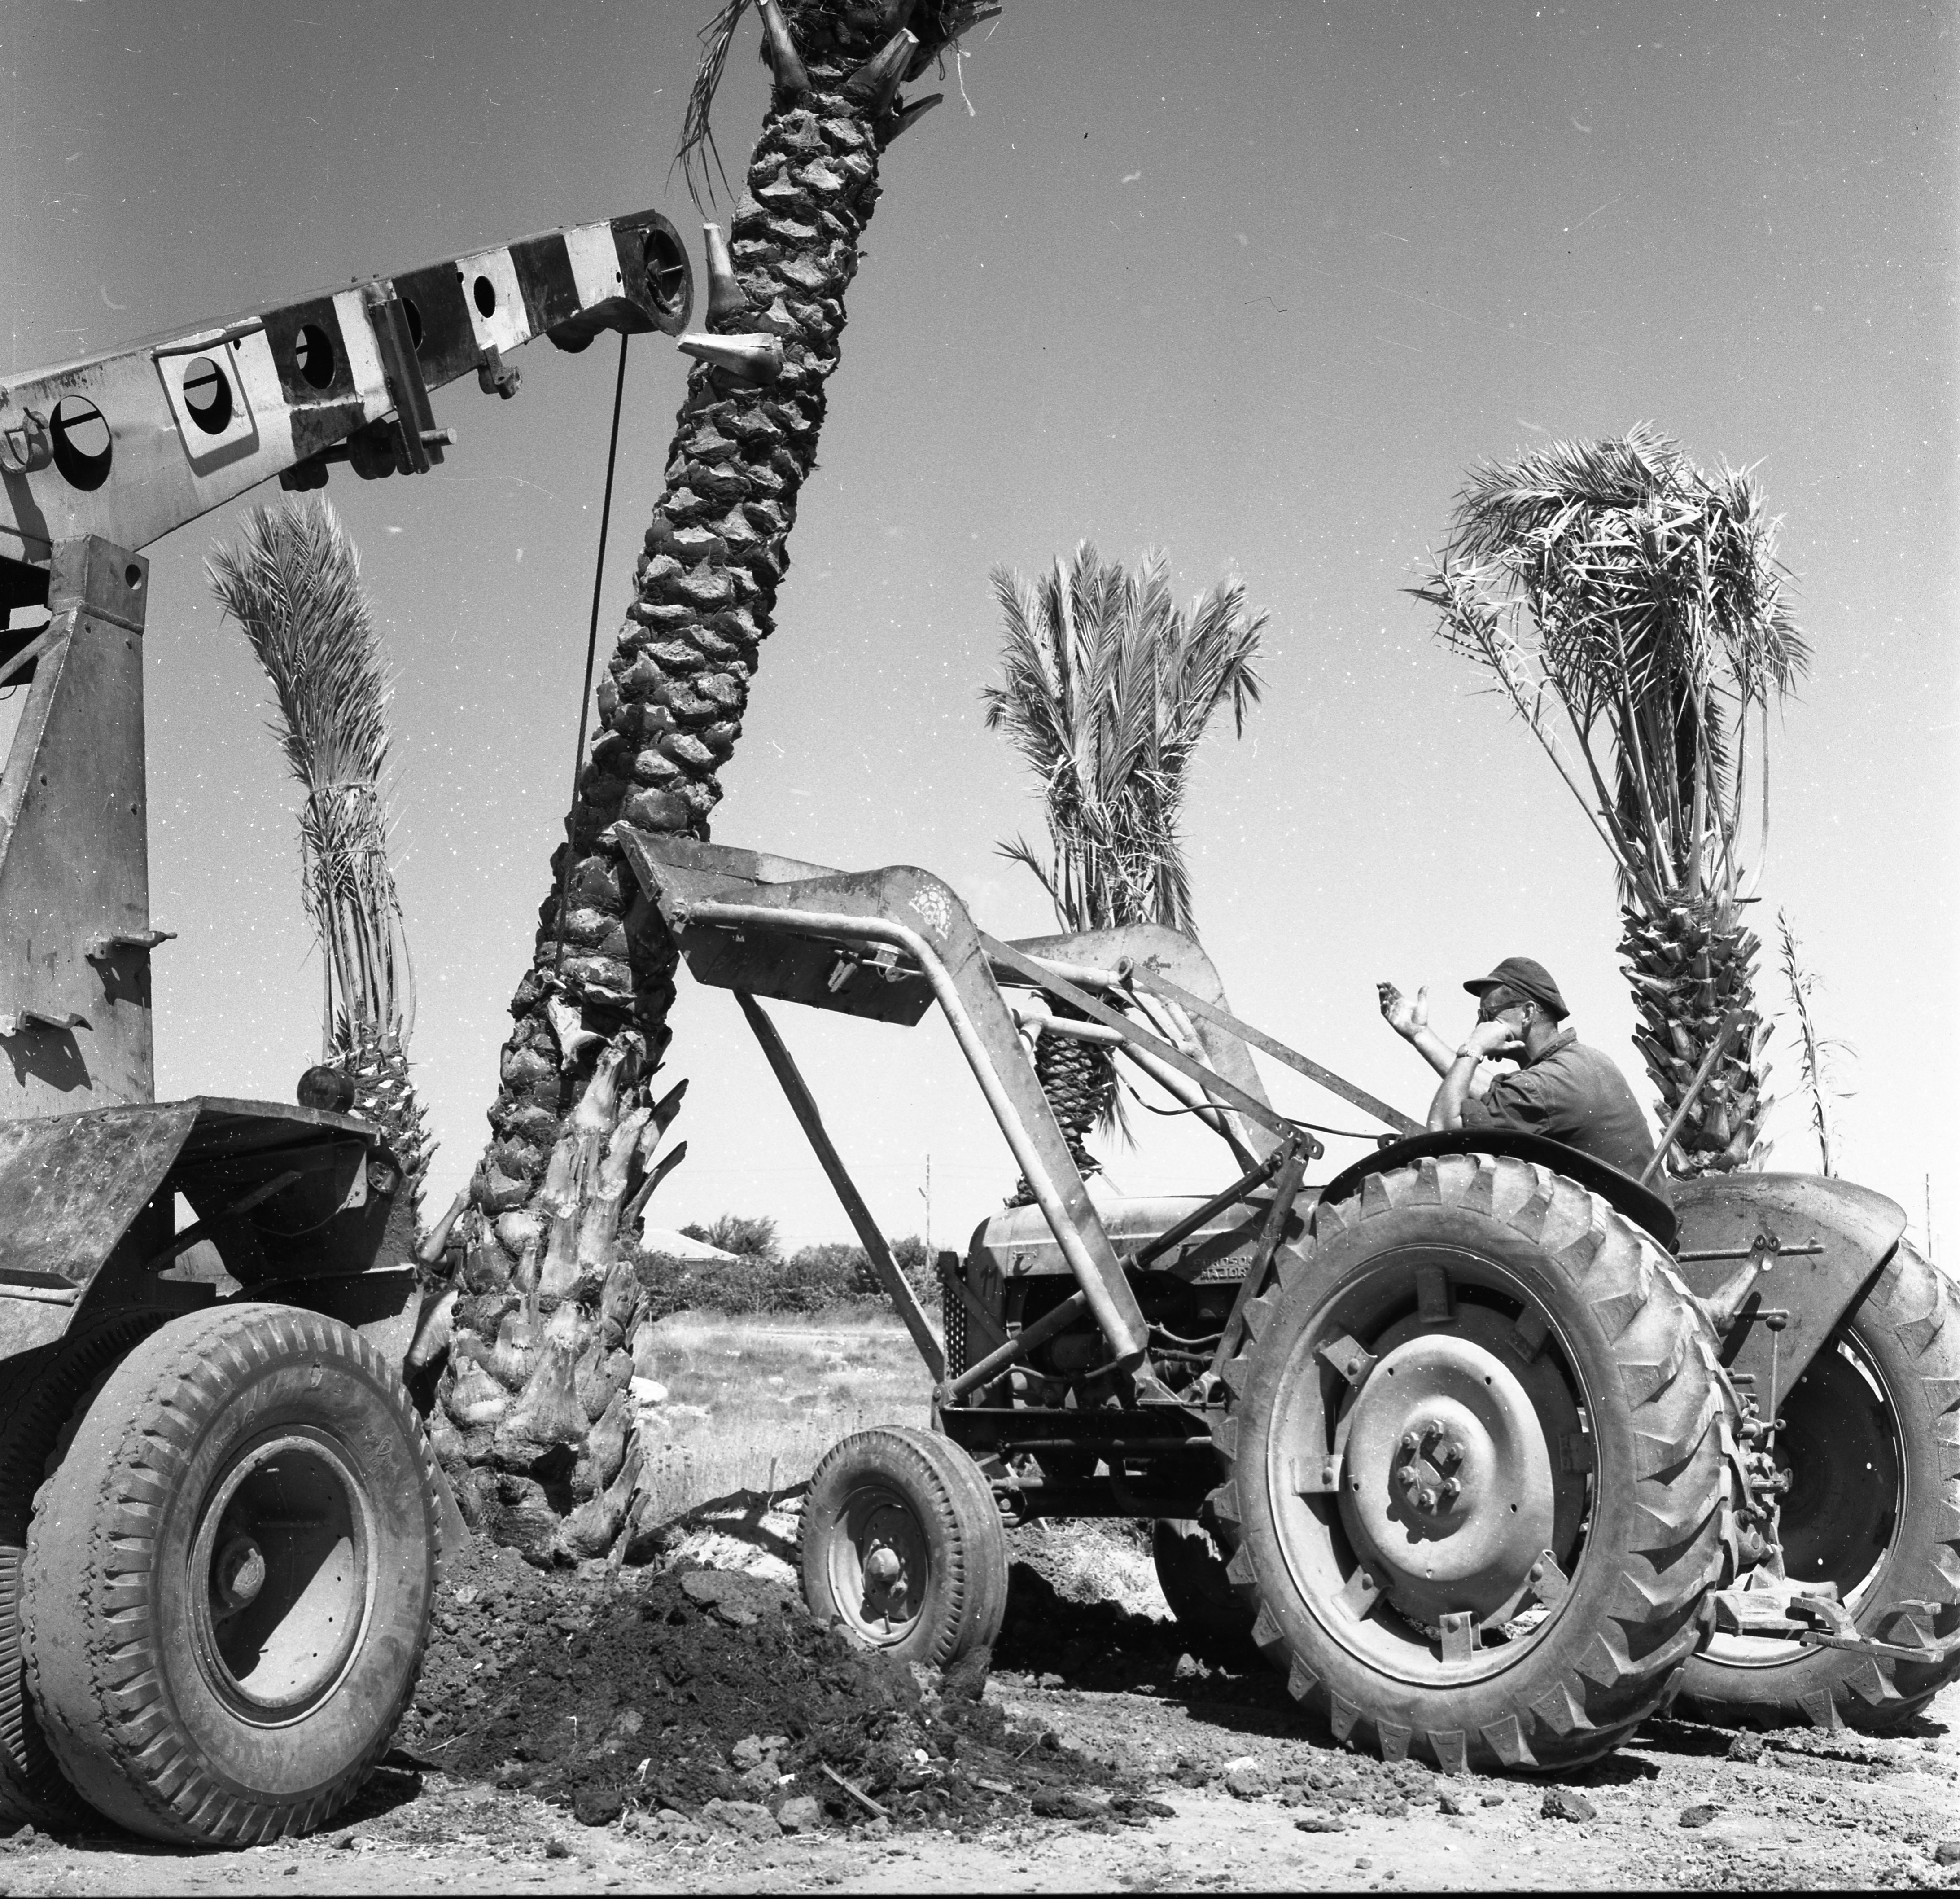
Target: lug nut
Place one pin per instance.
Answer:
(1425, 1498)
(1452, 1490)
(1450, 1454)
(1409, 1444)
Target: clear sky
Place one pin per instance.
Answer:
(1254, 282)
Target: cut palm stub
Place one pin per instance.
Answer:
(901, 1546)
(1477, 1481)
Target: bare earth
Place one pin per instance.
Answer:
(1812, 1811)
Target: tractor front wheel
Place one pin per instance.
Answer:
(902, 1545)
(1477, 1481)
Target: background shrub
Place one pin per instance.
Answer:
(835, 1276)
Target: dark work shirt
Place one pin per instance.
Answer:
(1572, 1093)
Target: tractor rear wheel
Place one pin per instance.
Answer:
(1477, 1480)
(229, 1577)
(1192, 1573)
(901, 1544)
(1871, 1440)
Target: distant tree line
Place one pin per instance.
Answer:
(761, 1279)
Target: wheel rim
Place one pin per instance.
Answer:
(1840, 1518)
(1465, 1467)
(281, 1578)
(879, 1565)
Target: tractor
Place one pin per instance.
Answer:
(1491, 1450)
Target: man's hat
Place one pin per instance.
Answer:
(1522, 976)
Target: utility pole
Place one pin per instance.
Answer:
(925, 1193)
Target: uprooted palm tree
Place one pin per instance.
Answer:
(531, 1420)
(294, 585)
(1631, 604)
(1107, 688)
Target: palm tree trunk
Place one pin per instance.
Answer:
(533, 1403)
(1688, 966)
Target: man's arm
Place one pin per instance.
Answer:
(1487, 1039)
(1410, 1020)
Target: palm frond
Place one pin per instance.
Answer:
(697, 136)
(293, 583)
(1657, 617)
(1107, 688)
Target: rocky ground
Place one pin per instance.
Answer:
(694, 1731)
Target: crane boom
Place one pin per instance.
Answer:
(129, 443)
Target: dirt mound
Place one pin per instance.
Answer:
(618, 1694)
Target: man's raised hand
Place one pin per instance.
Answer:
(1408, 1019)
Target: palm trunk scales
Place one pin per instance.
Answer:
(1688, 966)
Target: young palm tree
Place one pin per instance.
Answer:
(1107, 688)
(294, 586)
(1817, 1054)
(572, 1127)
(1628, 602)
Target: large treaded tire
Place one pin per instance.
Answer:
(1906, 1329)
(187, 1714)
(34, 1791)
(1642, 1548)
(1192, 1574)
(917, 1497)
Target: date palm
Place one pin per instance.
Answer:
(1107, 689)
(531, 1417)
(293, 583)
(1632, 608)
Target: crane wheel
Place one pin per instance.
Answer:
(901, 1546)
(1192, 1573)
(1871, 1440)
(1477, 1482)
(43, 1405)
(229, 1577)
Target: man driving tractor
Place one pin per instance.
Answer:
(1560, 1088)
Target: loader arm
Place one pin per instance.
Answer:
(888, 944)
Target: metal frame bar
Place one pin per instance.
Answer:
(1149, 980)
(802, 1104)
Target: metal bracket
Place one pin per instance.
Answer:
(19, 1019)
(495, 377)
(1353, 1362)
(105, 942)
(26, 446)
(1550, 1584)
(1316, 1476)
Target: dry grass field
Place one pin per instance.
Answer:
(752, 1404)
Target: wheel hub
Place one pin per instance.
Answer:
(1449, 1482)
(1431, 1475)
(239, 1573)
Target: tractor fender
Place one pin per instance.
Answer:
(1621, 1191)
(1833, 1238)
